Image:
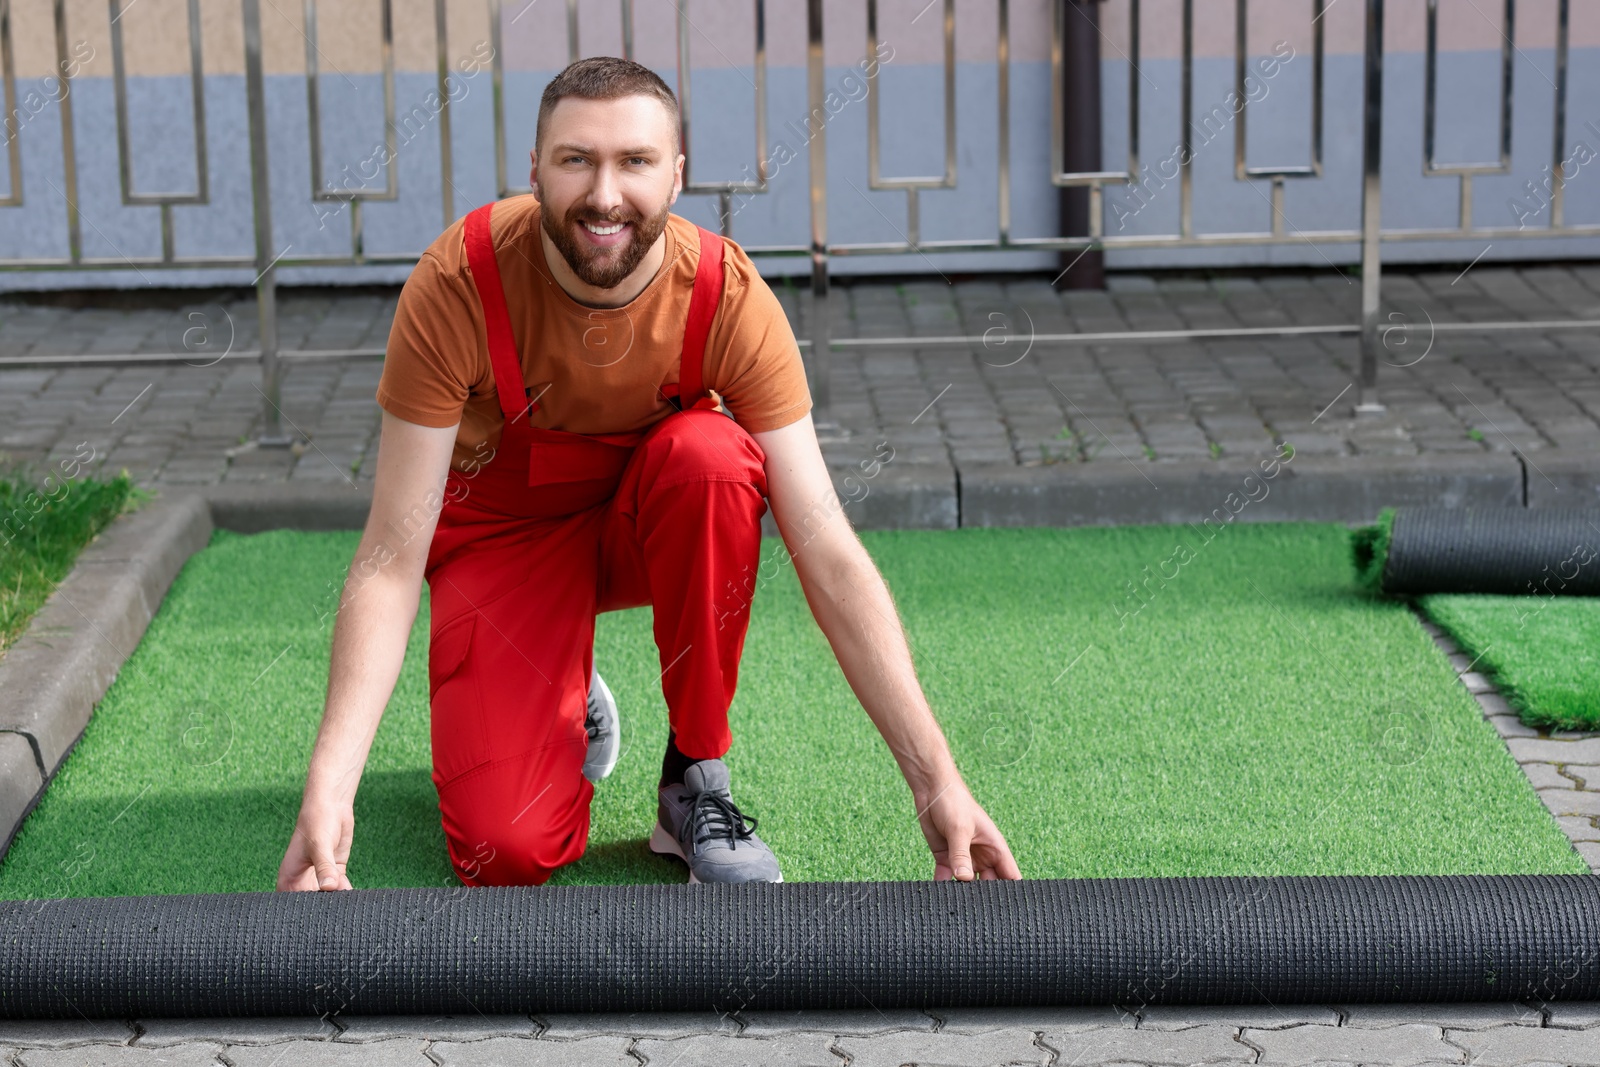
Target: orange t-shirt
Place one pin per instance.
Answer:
(593, 370)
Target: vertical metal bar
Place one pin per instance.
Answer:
(447, 186)
(1371, 208)
(1507, 36)
(1186, 158)
(1317, 11)
(949, 93)
(761, 92)
(392, 185)
(197, 89)
(8, 74)
(497, 80)
(1558, 181)
(1058, 34)
(572, 31)
(69, 145)
(682, 31)
(1133, 90)
(119, 97)
(1241, 54)
(261, 201)
(872, 98)
(1003, 134)
(313, 97)
(627, 29)
(1430, 75)
(816, 74)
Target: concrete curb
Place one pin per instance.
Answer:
(936, 496)
(251, 507)
(1563, 481)
(1303, 489)
(57, 671)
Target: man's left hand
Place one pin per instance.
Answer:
(966, 843)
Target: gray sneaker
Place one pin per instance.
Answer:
(698, 823)
(604, 729)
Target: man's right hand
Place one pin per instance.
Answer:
(318, 849)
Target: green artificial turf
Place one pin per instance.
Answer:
(1250, 713)
(44, 524)
(1542, 652)
(1369, 550)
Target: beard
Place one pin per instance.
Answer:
(603, 268)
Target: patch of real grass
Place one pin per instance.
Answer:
(43, 526)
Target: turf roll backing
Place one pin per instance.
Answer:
(1507, 551)
(805, 945)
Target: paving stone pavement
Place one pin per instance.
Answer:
(1290, 1035)
(1008, 400)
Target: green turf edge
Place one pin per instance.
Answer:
(1369, 550)
(1539, 688)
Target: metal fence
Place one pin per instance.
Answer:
(1370, 234)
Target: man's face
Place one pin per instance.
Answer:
(606, 164)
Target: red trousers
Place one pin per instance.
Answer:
(514, 598)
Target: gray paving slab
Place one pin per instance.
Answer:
(1061, 1020)
(1509, 1046)
(1464, 1016)
(1572, 1015)
(637, 1024)
(993, 1049)
(397, 1052)
(864, 1021)
(1265, 1016)
(60, 1033)
(1295, 1046)
(195, 1055)
(1201, 1044)
(435, 1027)
(262, 1030)
(605, 1051)
(797, 1049)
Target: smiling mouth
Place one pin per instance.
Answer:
(603, 230)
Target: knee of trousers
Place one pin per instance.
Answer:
(700, 444)
(497, 844)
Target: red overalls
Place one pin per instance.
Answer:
(555, 528)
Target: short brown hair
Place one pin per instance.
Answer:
(607, 78)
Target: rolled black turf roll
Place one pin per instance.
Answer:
(727, 948)
(1510, 551)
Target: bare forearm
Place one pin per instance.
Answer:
(853, 607)
(369, 645)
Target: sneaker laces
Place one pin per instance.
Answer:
(714, 815)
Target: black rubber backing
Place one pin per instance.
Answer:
(1503, 550)
(805, 945)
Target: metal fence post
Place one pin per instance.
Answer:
(816, 76)
(1371, 210)
(261, 201)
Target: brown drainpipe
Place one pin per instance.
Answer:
(1080, 117)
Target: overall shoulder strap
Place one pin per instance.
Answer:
(703, 304)
(503, 357)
